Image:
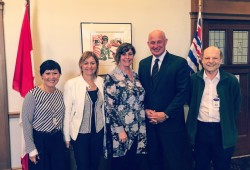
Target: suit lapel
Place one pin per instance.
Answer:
(81, 90)
(162, 70)
(147, 69)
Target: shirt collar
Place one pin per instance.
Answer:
(216, 77)
(161, 57)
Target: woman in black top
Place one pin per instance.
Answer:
(84, 113)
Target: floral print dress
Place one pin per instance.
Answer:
(124, 111)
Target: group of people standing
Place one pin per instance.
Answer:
(127, 115)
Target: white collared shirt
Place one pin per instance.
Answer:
(208, 112)
(161, 57)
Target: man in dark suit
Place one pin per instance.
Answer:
(165, 78)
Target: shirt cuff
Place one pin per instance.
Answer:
(119, 129)
(166, 117)
(33, 153)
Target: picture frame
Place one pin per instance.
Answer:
(103, 39)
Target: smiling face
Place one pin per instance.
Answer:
(211, 60)
(126, 59)
(157, 42)
(89, 66)
(50, 78)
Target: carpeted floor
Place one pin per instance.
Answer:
(240, 163)
(236, 164)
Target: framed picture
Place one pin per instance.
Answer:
(103, 39)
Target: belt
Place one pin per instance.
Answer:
(54, 131)
(209, 124)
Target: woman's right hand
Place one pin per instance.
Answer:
(34, 159)
(122, 136)
(67, 144)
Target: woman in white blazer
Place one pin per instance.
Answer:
(84, 113)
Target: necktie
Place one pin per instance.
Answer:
(155, 69)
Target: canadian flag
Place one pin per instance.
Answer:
(23, 79)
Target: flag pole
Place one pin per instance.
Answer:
(23, 79)
(28, 3)
(194, 53)
(200, 5)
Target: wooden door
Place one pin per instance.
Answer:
(243, 123)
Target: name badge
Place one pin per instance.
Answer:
(216, 102)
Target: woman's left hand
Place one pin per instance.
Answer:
(122, 136)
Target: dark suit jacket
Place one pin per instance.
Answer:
(170, 91)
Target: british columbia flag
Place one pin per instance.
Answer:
(194, 55)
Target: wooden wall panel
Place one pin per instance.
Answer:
(218, 10)
(222, 9)
(222, 6)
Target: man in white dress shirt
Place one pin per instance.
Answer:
(214, 105)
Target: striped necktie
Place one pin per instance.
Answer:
(155, 69)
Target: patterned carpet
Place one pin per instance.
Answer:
(240, 163)
(236, 163)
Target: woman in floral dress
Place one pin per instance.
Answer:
(125, 115)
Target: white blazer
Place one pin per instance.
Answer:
(74, 95)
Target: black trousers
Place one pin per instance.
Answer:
(131, 161)
(165, 149)
(88, 150)
(51, 151)
(208, 148)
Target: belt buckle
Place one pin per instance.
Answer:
(54, 131)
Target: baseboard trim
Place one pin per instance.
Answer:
(242, 156)
(16, 168)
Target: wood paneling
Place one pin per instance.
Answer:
(14, 115)
(5, 161)
(224, 7)
(221, 9)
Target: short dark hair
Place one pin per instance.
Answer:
(85, 56)
(49, 65)
(123, 48)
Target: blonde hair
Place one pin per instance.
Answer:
(86, 55)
